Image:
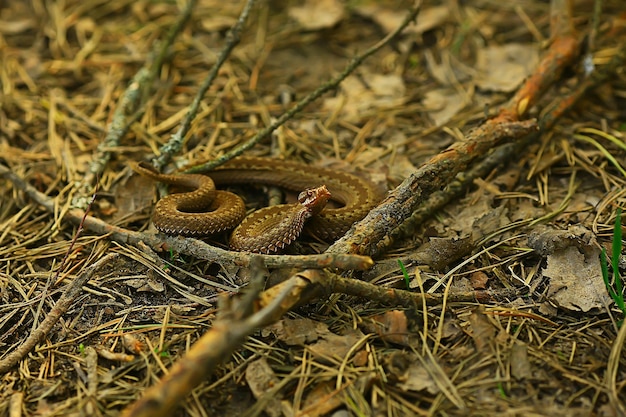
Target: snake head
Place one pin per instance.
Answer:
(314, 199)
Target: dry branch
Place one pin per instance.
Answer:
(442, 169)
(72, 291)
(128, 110)
(193, 247)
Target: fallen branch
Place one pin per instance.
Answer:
(193, 247)
(128, 110)
(442, 169)
(72, 291)
(230, 330)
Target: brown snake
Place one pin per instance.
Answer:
(205, 210)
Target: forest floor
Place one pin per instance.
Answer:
(475, 288)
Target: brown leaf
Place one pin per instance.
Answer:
(391, 326)
(260, 378)
(520, 365)
(483, 331)
(576, 279)
(318, 14)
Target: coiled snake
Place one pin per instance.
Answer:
(205, 210)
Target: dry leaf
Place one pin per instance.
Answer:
(520, 365)
(261, 378)
(418, 379)
(299, 331)
(427, 19)
(443, 104)
(332, 346)
(483, 331)
(479, 280)
(504, 68)
(439, 253)
(318, 14)
(321, 400)
(391, 326)
(576, 279)
(368, 92)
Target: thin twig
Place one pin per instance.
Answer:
(441, 170)
(188, 246)
(210, 350)
(330, 85)
(128, 110)
(175, 143)
(65, 302)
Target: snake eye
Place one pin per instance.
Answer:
(307, 197)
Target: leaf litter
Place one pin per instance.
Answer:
(549, 349)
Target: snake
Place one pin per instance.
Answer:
(205, 210)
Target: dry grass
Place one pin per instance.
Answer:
(495, 338)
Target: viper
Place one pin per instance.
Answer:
(204, 210)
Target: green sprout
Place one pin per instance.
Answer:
(407, 279)
(614, 289)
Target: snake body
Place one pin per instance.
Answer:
(205, 210)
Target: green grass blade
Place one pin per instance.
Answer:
(605, 270)
(616, 253)
(407, 279)
(617, 242)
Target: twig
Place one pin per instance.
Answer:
(65, 302)
(551, 114)
(429, 178)
(441, 170)
(175, 143)
(210, 350)
(128, 110)
(389, 296)
(193, 247)
(226, 335)
(332, 84)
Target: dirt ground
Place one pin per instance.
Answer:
(494, 131)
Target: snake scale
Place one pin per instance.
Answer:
(204, 210)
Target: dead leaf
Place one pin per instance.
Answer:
(427, 19)
(443, 104)
(418, 379)
(360, 95)
(483, 331)
(438, 253)
(410, 374)
(546, 241)
(504, 67)
(260, 378)
(576, 279)
(318, 14)
(491, 220)
(321, 400)
(298, 332)
(148, 284)
(133, 195)
(451, 330)
(520, 365)
(391, 326)
(332, 347)
(479, 280)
